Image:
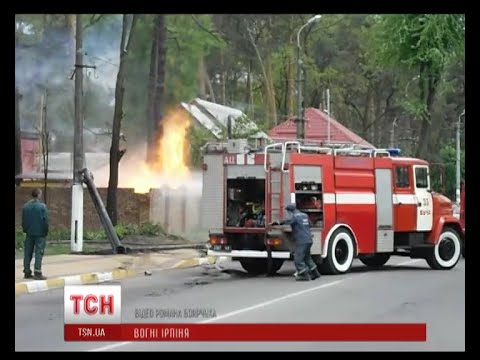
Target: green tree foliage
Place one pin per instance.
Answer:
(425, 44)
(448, 184)
(370, 63)
(418, 39)
(191, 38)
(199, 136)
(44, 60)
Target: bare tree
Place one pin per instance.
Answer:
(115, 153)
(266, 72)
(156, 85)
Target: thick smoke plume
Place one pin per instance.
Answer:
(44, 60)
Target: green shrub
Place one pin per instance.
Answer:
(94, 235)
(19, 238)
(62, 233)
(150, 229)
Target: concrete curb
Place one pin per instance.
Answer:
(29, 287)
(143, 248)
(193, 262)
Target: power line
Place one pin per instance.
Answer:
(101, 59)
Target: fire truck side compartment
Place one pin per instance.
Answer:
(250, 180)
(212, 197)
(383, 184)
(308, 176)
(355, 205)
(307, 173)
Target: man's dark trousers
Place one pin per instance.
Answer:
(32, 243)
(303, 259)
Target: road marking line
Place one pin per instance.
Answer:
(273, 301)
(257, 306)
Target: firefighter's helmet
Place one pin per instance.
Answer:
(290, 207)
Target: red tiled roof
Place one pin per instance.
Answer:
(316, 128)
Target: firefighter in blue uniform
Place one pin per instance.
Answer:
(302, 237)
(35, 226)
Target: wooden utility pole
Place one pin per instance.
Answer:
(45, 137)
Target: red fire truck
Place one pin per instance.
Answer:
(368, 204)
(462, 214)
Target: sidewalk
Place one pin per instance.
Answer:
(62, 270)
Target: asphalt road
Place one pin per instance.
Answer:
(404, 291)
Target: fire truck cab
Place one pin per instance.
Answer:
(368, 204)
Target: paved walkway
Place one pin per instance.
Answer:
(62, 270)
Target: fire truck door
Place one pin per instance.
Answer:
(383, 185)
(424, 198)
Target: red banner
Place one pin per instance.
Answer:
(246, 332)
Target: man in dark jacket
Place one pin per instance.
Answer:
(35, 226)
(302, 236)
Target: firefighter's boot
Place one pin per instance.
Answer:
(314, 274)
(305, 276)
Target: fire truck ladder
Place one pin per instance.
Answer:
(356, 151)
(300, 147)
(274, 186)
(333, 149)
(274, 203)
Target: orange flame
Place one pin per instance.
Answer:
(171, 151)
(170, 166)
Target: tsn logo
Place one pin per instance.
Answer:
(93, 304)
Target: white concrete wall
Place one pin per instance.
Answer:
(177, 211)
(63, 162)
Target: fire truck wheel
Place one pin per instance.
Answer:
(375, 261)
(447, 251)
(341, 249)
(259, 266)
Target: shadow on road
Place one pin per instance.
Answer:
(216, 275)
(241, 274)
(385, 268)
(237, 273)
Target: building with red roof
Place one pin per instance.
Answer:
(316, 130)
